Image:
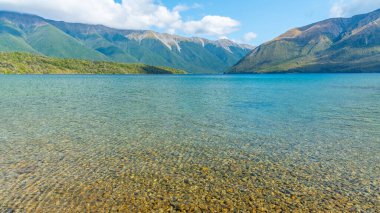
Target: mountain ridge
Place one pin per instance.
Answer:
(101, 43)
(332, 45)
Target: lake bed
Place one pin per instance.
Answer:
(190, 143)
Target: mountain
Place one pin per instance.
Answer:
(33, 34)
(333, 45)
(26, 63)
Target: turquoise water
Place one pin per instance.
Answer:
(197, 142)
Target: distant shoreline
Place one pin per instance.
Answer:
(25, 63)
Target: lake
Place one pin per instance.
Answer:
(195, 142)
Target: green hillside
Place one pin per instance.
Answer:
(11, 43)
(333, 45)
(24, 63)
(50, 41)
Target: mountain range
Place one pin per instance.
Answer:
(333, 45)
(34, 34)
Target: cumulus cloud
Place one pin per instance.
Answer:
(347, 8)
(249, 37)
(125, 14)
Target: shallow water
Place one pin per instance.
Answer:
(195, 143)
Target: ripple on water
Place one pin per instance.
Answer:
(189, 143)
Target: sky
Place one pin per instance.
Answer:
(245, 21)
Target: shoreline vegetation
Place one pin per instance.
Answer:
(18, 63)
(25, 63)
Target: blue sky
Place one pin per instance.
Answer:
(269, 18)
(266, 18)
(245, 21)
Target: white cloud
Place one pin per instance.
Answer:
(211, 25)
(129, 14)
(249, 37)
(347, 8)
(184, 7)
